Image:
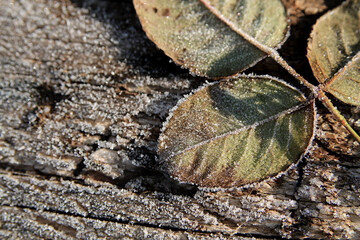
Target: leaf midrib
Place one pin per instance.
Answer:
(254, 125)
(262, 47)
(338, 74)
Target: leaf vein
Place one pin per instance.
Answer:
(342, 70)
(254, 125)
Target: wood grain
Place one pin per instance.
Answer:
(83, 95)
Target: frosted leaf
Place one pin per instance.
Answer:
(236, 132)
(334, 52)
(194, 36)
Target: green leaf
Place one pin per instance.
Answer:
(236, 132)
(192, 34)
(333, 52)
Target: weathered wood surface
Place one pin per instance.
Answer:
(83, 94)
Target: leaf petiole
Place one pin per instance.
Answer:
(268, 50)
(317, 91)
(276, 56)
(328, 104)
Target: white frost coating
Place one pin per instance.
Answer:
(207, 84)
(317, 182)
(71, 82)
(107, 162)
(329, 176)
(91, 60)
(162, 139)
(31, 224)
(249, 210)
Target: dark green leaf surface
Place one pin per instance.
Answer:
(334, 52)
(194, 37)
(236, 132)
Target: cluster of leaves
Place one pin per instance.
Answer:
(247, 128)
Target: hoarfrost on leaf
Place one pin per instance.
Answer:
(334, 52)
(226, 135)
(192, 34)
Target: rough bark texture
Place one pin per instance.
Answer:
(83, 95)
